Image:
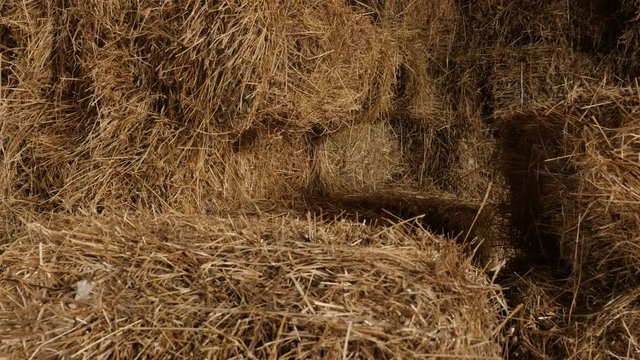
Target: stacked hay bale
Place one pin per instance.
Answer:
(423, 31)
(587, 26)
(361, 158)
(540, 80)
(513, 56)
(370, 155)
(224, 287)
(585, 156)
(27, 45)
(599, 177)
(141, 108)
(535, 77)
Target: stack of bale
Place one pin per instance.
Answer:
(584, 155)
(145, 106)
(420, 31)
(564, 128)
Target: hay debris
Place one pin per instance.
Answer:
(228, 287)
(605, 326)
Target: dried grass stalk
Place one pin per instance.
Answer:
(269, 287)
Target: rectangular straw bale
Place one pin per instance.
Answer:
(423, 32)
(299, 63)
(582, 25)
(362, 158)
(274, 287)
(32, 128)
(268, 167)
(534, 77)
(586, 157)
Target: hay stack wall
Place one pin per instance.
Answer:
(141, 108)
(222, 287)
(590, 174)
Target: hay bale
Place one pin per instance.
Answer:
(584, 156)
(601, 199)
(429, 24)
(579, 172)
(28, 132)
(535, 77)
(423, 31)
(301, 64)
(587, 26)
(227, 287)
(268, 167)
(364, 157)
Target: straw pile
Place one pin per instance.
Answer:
(263, 286)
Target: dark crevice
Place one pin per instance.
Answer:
(437, 214)
(522, 163)
(7, 54)
(245, 140)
